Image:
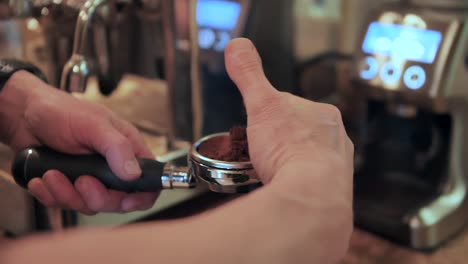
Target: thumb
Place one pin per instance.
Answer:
(244, 66)
(117, 150)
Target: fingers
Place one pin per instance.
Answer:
(55, 190)
(100, 199)
(88, 196)
(134, 136)
(39, 190)
(244, 67)
(96, 196)
(138, 201)
(117, 149)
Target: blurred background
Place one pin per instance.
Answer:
(397, 70)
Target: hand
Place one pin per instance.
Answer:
(37, 114)
(303, 214)
(299, 148)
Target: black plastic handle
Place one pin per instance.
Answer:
(34, 162)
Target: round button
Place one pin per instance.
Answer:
(414, 77)
(390, 73)
(206, 38)
(224, 39)
(370, 68)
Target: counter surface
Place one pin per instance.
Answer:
(368, 248)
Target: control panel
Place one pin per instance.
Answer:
(404, 51)
(218, 21)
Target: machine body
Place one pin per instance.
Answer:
(411, 173)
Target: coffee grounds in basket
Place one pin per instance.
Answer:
(232, 148)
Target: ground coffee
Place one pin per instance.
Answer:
(232, 148)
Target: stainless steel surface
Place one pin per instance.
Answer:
(222, 176)
(77, 70)
(76, 73)
(218, 176)
(177, 177)
(441, 4)
(225, 181)
(446, 215)
(152, 39)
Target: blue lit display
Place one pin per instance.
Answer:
(402, 42)
(218, 14)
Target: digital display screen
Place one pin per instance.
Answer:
(218, 14)
(402, 42)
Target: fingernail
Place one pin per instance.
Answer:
(239, 46)
(132, 168)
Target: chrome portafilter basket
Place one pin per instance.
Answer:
(219, 176)
(222, 176)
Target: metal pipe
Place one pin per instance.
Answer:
(77, 70)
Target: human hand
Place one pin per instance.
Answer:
(303, 214)
(299, 148)
(38, 114)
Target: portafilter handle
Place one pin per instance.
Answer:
(34, 162)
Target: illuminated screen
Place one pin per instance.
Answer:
(217, 14)
(402, 42)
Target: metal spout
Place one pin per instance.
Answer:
(77, 70)
(75, 74)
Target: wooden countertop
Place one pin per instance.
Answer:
(368, 248)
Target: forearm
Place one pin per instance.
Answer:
(258, 228)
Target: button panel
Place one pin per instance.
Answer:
(392, 75)
(212, 39)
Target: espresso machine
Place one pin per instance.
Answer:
(410, 77)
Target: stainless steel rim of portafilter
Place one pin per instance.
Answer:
(222, 176)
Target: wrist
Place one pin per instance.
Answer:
(20, 89)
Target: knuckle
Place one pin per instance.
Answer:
(266, 107)
(122, 142)
(132, 129)
(117, 142)
(334, 112)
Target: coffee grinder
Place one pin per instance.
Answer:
(411, 172)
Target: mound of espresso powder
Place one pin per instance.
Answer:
(232, 148)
